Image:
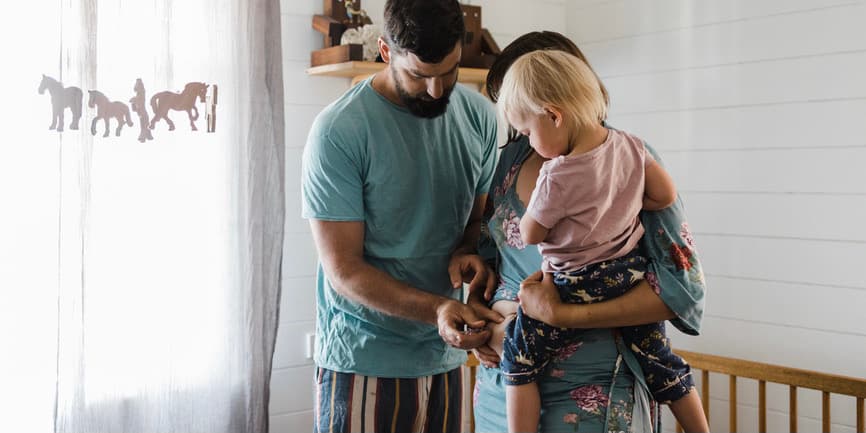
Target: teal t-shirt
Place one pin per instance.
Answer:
(413, 182)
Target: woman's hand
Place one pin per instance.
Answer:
(486, 356)
(540, 299)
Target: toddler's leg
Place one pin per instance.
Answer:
(523, 406)
(525, 355)
(690, 413)
(668, 376)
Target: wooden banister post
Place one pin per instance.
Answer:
(792, 390)
(705, 392)
(861, 421)
(732, 397)
(825, 412)
(762, 406)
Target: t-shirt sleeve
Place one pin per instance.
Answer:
(332, 181)
(648, 156)
(545, 205)
(674, 269)
(488, 160)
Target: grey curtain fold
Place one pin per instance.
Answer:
(262, 158)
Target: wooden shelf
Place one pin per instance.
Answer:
(359, 70)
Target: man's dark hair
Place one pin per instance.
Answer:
(427, 28)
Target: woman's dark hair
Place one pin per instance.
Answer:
(430, 29)
(527, 43)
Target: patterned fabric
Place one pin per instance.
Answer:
(347, 402)
(592, 359)
(530, 344)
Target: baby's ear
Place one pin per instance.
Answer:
(554, 114)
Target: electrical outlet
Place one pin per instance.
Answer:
(309, 344)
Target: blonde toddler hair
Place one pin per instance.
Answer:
(552, 78)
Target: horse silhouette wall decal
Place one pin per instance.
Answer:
(184, 101)
(105, 110)
(61, 99)
(139, 106)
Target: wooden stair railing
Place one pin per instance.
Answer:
(763, 373)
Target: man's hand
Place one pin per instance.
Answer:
(540, 299)
(470, 268)
(454, 318)
(485, 354)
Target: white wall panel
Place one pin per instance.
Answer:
(807, 33)
(520, 16)
(298, 28)
(782, 171)
(291, 343)
(300, 7)
(302, 89)
(292, 390)
(295, 223)
(802, 216)
(617, 19)
(827, 124)
(832, 309)
(787, 260)
(298, 301)
(299, 118)
(299, 255)
(777, 344)
(829, 77)
(292, 422)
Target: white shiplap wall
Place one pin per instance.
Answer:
(291, 386)
(759, 110)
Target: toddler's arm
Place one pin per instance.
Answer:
(659, 189)
(531, 231)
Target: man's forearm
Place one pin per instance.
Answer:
(368, 286)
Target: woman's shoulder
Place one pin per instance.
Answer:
(513, 153)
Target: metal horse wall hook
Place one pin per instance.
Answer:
(139, 106)
(105, 110)
(184, 101)
(62, 98)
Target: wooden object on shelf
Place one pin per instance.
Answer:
(338, 16)
(330, 28)
(337, 54)
(479, 48)
(360, 70)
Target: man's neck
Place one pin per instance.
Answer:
(383, 83)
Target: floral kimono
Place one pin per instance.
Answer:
(593, 384)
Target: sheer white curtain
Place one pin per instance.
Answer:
(139, 281)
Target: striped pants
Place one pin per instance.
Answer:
(352, 403)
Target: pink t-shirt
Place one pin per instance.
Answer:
(590, 202)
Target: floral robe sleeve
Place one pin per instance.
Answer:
(674, 269)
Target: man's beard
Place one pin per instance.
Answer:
(424, 105)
